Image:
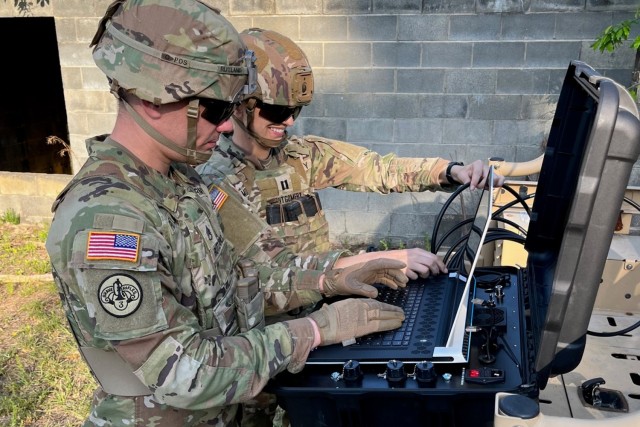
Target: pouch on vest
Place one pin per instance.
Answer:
(249, 298)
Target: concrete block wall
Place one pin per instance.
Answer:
(459, 79)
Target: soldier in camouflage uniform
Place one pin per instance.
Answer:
(280, 175)
(148, 283)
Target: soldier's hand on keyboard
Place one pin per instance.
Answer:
(420, 263)
(354, 317)
(357, 279)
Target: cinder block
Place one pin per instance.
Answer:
(622, 57)
(243, 22)
(423, 27)
(314, 53)
(422, 131)
(485, 152)
(23, 184)
(526, 153)
(579, 25)
(298, 7)
(555, 5)
(371, 81)
(394, 54)
(621, 76)
(315, 109)
(495, 107)
(420, 81)
(347, 54)
(367, 27)
(397, 6)
(539, 107)
(412, 226)
(339, 7)
(66, 30)
(446, 55)
(50, 185)
(368, 130)
(523, 81)
(325, 28)
(75, 55)
(100, 123)
(498, 54)
(528, 26)
(221, 5)
(473, 81)
(287, 25)
(344, 201)
(385, 106)
(506, 6)
(334, 128)
(252, 7)
(71, 78)
(474, 27)
(356, 105)
(443, 106)
(74, 8)
(367, 222)
(336, 220)
(406, 106)
(468, 132)
(450, 6)
(520, 132)
(330, 80)
(551, 54)
(85, 28)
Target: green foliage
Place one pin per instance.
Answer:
(22, 250)
(44, 381)
(614, 35)
(384, 245)
(24, 6)
(10, 216)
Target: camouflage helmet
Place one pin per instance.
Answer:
(284, 75)
(164, 51)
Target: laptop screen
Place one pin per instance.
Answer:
(454, 348)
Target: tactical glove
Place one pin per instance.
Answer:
(357, 279)
(354, 317)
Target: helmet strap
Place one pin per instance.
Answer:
(193, 157)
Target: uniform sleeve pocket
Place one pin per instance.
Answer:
(122, 290)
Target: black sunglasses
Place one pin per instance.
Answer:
(278, 113)
(216, 111)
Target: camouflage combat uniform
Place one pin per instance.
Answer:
(288, 280)
(145, 276)
(305, 164)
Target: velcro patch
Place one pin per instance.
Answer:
(109, 245)
(120, 295)
(218, 197)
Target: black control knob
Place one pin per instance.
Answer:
(352, 371)
(395, 373)
(426, 373)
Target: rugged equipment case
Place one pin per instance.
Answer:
(593, 143)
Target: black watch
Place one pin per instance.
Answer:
(448, 172)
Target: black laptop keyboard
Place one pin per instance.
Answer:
(409, 300)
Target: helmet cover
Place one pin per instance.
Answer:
(284, 74)
(164, 51)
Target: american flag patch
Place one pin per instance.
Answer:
(110, 245)
(218, 197)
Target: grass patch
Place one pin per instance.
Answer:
(43, 380)
(22, 250)
(10, 216)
